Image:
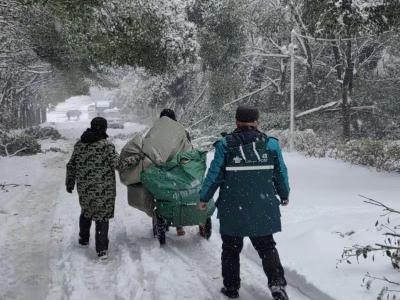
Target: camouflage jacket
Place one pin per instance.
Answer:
(92, 168)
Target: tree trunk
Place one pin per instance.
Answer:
(28, 116)
(43, 114)
(24, 116)
(346, 118)
(311, 80)
(345, 77)
(38, 116)
(310, 66)
(348, 76)
(347, 92)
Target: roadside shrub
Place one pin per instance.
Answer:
(274, 121)
(55, 149)
(380, 154)
(306, 142)
(11, 145)
(42, 133)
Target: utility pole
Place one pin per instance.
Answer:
(291, 50)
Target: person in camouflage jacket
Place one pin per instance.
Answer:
(92, 167)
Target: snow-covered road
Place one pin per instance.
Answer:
(26, 220)
(40, 257)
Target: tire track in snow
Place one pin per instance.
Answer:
(296, 281)
(254, 281)
(164, 275)
(25, 255)
(140, 269)
(187, 268)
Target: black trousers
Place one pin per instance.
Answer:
(101, 232)
(265, 246)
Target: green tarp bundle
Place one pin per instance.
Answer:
(161, 143)
(139, 197)
(164, 140)
(175, 185)
(133, 148)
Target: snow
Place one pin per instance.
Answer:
(325, 200)
(75, 103)
(40, 257)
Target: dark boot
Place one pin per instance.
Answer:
(230, 293)
(103, 255)
(101, 237)
(84, 230)
(279, 293)
(179, 231)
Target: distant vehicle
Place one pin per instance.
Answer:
(73, 113)
(115, 123)
(92, 111)
(113, 117)
(98, 109)
(112, 113)
(101, 107)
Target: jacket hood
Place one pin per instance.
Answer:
(92, 136)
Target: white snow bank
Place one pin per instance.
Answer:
(324, 201)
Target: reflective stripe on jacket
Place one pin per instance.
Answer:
(249, 177)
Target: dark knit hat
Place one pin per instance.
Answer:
(247, 114)
(99, 124)
(168, 113)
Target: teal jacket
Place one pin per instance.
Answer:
(248, 203)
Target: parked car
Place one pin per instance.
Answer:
(115, 123)
(73, 113)
(92, 111)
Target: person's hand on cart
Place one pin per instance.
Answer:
(202, 205)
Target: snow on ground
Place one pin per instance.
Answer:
(40, 257)
(324, 202)
(75, 103)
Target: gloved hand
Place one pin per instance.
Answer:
(284, 202)
(202, 205)
(69, 189)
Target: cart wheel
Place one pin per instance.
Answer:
(208, 228)
(154, 221)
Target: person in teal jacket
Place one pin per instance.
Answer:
(249, 169)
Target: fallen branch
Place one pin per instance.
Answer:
(201, 120)
(341, 234)
(380, 204)
(230, 103)
(317, 109)
(3, 186)
(392, 234)
(386, 247)
(247, 95)
(15, 153)
(383, 278)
